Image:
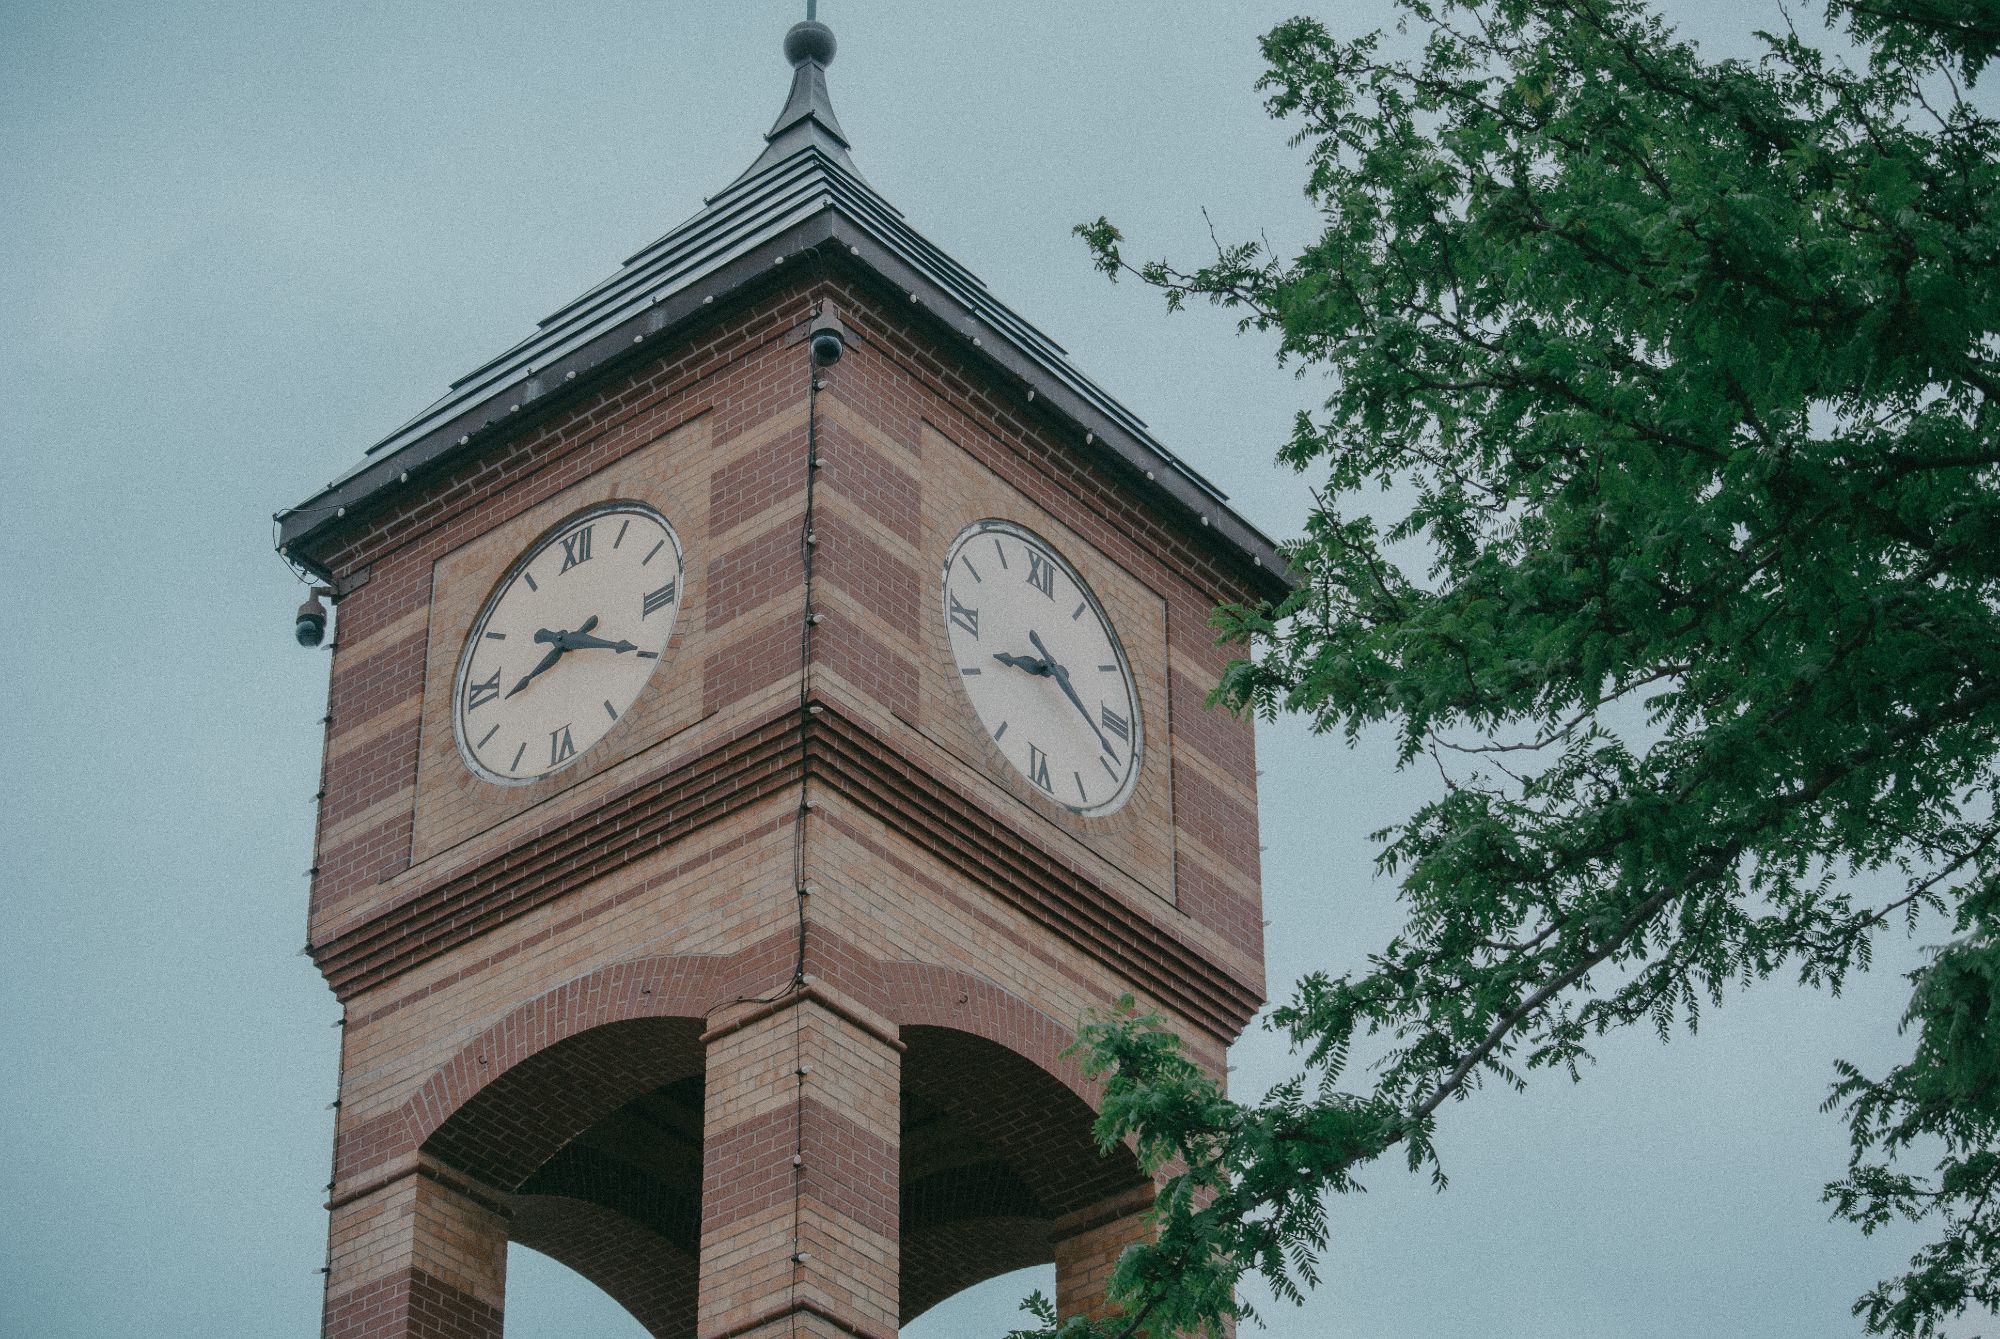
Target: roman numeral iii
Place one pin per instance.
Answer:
(659, 599)
(1114, 724)
(576, 549)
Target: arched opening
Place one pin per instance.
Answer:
(996, 1154)
(588, 1141)
(595, 1144)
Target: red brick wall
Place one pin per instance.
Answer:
(523, 969)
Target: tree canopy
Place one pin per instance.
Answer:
(1679, 376)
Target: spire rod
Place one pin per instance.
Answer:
(812, 11)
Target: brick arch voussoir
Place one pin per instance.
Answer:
(1019, 1115)
(925, 995)
(686, 986)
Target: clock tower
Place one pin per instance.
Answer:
(765, 716)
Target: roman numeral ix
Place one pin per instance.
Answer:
(479, 694)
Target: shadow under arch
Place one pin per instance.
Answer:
(996, 1152)
(594, 1141)
(582, 1109)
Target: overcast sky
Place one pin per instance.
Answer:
(245, 239)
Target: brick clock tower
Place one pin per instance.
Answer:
(766, 714)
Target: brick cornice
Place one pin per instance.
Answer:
(1055, 893)
(762, 762)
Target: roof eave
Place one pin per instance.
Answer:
(1156, 475)
(305, 531)
(545, 389)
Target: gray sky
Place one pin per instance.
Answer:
(245, 239)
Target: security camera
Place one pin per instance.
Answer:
(829, 337)
(311, 627)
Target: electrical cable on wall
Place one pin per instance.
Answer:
(808, 544)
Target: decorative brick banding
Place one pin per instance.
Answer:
(754, 1066)
(411, 1304)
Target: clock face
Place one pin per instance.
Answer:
(1042, 666)
(567, 642)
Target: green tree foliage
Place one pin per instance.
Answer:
(1680, 378)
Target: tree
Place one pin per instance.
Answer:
(1683, 374)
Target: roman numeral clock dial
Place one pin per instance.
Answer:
(567, 642)
(1042, 666)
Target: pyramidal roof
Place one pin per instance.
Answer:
(802, 193)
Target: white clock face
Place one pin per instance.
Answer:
(1042, 666)
(567, 642)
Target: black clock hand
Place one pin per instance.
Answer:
(1062, 681)
(583, 641)
(555, 654)
(1028, 663)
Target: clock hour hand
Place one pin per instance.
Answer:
(1028, 663)
(581, 640)
(1061, 676)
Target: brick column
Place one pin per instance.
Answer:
(1088, 1244)
(838, 1206)
(422, 1257)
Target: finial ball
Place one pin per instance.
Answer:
(810, 40)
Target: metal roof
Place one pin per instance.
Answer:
(803, 189)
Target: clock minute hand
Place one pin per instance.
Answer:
(1061, 676)
(555, 654)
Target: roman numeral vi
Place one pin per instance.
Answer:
(1038, 769)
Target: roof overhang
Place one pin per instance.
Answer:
(802, 197)
(482, 421)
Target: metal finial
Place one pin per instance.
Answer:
(810, 40)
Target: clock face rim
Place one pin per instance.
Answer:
(1129, 786)
(531, 551)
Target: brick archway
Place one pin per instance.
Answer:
(998, 1160)
(923, 995)
(582, 1110)
(688, 986)
(569, 1107)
